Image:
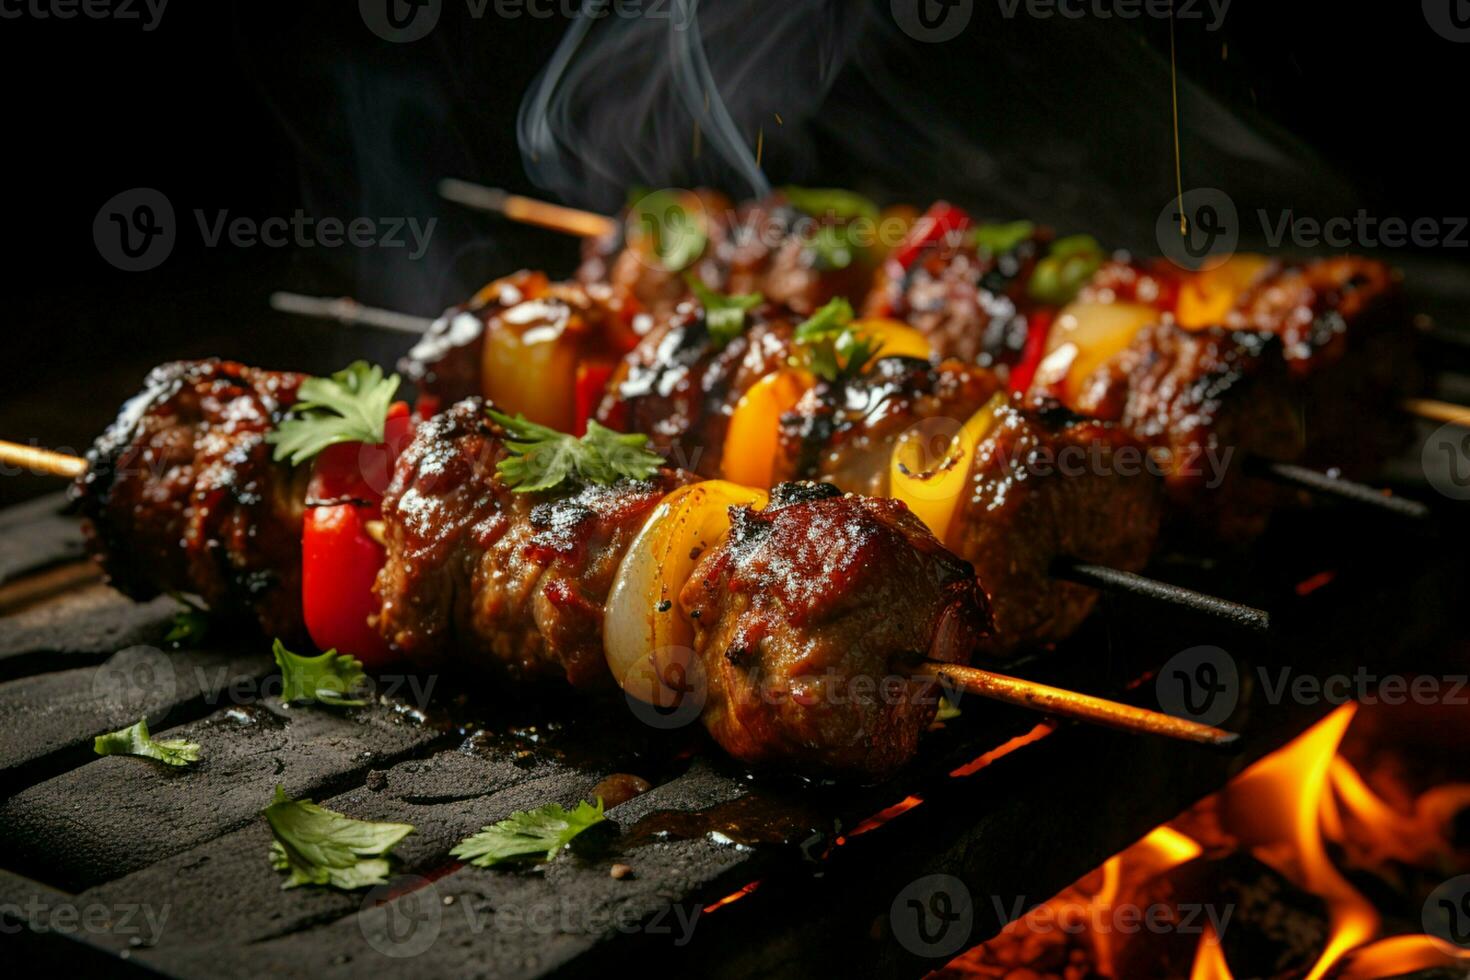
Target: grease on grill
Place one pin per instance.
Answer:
(750, 821)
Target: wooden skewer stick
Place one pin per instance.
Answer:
(349, 311)
(1438, 411)
(528, 210)
(1070, 704)
(39, 460)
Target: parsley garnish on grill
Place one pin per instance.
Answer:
(543, 458)
(833, 349)
(135, 740)
(322, 847)
(529, 835)
(331, 678)
(350, 406)
(724, 316)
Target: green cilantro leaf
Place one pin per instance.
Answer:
(542, 458)
(724, 316)
(822, 202)
(678, 239)
(532, 834)
(832, 349)
(1066, 269)
(1000, 239)
(350, 406)
(322, 847)
(330, 678)
(135, 740)
(189, 626)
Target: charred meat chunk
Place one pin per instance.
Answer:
(510, 583)
(181, 493)
(810, 620)
(679, 387)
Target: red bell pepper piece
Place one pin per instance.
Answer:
(934, 226)
(592, 379)
(1037, 329)
(359, 471)
(339, 560)
(339, 564)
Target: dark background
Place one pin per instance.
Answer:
(265, 109)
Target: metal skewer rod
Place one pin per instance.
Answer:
(346, 310)
(1325, 484)
(1116, 580)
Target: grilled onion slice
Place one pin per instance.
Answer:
(647, 637)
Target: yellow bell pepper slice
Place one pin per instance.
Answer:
(529, 364)
(1206, 298)
(894, 338)
(933, 487)
(1084, 337)
(751, 439)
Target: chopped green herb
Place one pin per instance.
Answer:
(332, 678)
(350, 406)
(1066, 269)
(529, 835)
(678, 240)
(135, 740)
(833, 247)
(322, 847)
(834, 202)
(724, 316)
(189, 626)
(542, 458)
(1001, 239)
(832, 349)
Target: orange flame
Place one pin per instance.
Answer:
(1276, 807)
(1209, 960)
(1400, 955)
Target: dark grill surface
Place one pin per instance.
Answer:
(131, 837)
